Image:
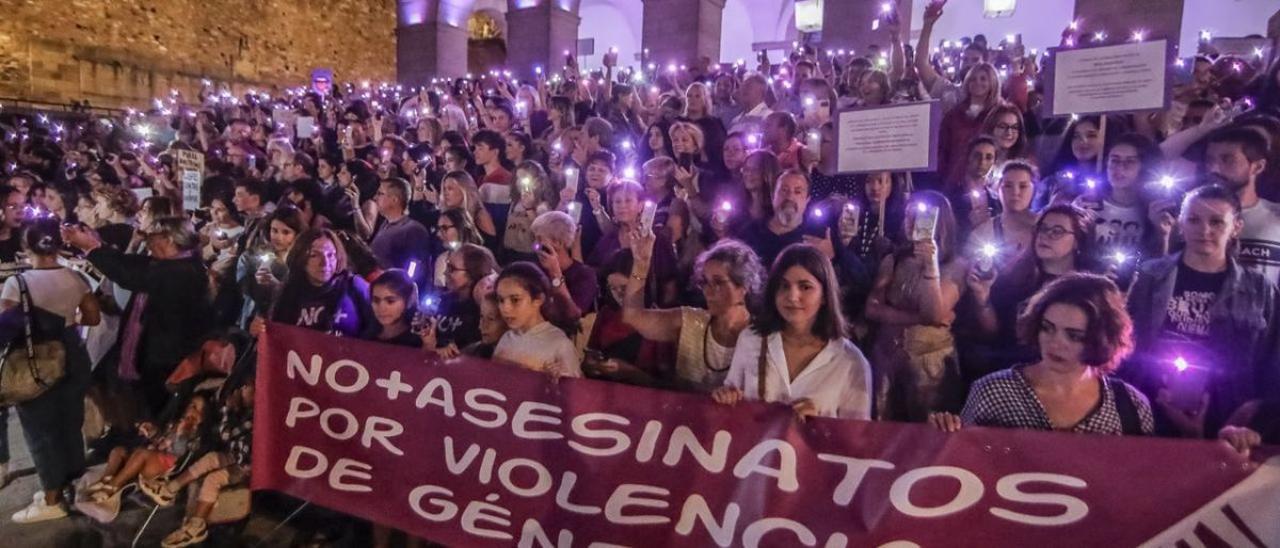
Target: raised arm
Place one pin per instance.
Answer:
(655, 325)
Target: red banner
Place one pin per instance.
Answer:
(472, 453)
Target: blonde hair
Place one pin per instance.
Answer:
(993, 97)
(707, 99)
(699, 140)
(470, 192)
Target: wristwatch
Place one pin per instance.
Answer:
(557, 281)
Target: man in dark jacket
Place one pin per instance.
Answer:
(169, 312)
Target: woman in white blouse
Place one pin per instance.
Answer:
(807, 361)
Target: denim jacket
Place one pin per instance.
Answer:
(1244, 335)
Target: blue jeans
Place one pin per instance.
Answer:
(51, 423)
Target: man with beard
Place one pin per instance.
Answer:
(790, 198)
(1235, 157)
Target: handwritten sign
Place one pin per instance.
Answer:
(191, 174)
(1101, 80)
(890, 138)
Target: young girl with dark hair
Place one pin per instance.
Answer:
(394, 300)
(796, 351)
(532, 342)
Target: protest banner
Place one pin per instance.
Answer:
(1099, 80)
(902, 137)
(191, 174)
(468, 452)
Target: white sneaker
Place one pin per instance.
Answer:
(193, 531)
(38, 511)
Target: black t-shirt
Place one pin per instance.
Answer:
(9, 248)
(768, 244)
(1187, 316)
(408, 338)
(458, 321)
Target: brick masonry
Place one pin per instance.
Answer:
(124, 52)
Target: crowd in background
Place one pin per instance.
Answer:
(677, 227)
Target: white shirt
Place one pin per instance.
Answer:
(837, 381)
(751, 121)
(57, 290)
(1260, 239)
(541, 347)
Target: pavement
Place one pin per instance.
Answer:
(78, 531)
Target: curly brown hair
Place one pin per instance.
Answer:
(1109, 337)
(119, 199)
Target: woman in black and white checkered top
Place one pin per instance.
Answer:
(1082, 331)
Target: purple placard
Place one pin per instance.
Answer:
(1050, 77)
(935, 123)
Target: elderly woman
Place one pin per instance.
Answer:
(169, 310)
(573, 284)
(730, 277)
(1079, 325)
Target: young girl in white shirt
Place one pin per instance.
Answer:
(531, 342)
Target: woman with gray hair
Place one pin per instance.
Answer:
(169, 312)
(573, 284)
(730, 276)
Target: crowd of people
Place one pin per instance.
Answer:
(682, 228)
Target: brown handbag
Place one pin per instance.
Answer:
(28, 371)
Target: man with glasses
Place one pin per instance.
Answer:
(399, 240)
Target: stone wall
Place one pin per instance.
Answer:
(124, 52)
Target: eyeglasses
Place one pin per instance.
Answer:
(1054, 233)
(1008, 128)
(716, 285)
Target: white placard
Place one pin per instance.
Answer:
(891, 138)
(1124, 78)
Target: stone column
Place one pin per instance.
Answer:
(538, 35)
(847, 25)
(431, 39)
(681, 31)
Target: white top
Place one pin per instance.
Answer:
(837, 381)
(1260, 239)
(1117, 226)
(542, 347)
(57, 290)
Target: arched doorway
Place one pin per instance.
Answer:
(486, 41)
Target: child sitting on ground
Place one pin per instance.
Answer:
(156, 458)
(226, 464)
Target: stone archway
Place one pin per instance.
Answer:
(486, 41)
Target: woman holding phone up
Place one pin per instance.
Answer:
(913, 299)
(1205, 328)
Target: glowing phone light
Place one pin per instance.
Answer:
(1180, 364)
(413, 268)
